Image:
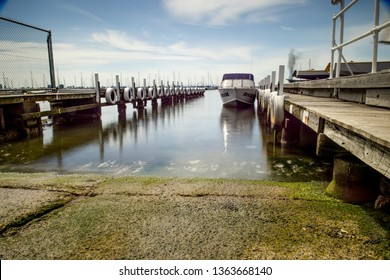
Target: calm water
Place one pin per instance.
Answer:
(198, 138)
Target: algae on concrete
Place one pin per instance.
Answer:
(171, 218)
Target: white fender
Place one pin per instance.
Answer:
(111, 97)
(166, 91)
(128, 94)
(140, 93)
(277, 111)
(267, 96)
(172, 91)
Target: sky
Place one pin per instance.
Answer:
(192, 41)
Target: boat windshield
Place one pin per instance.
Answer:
(238, 76)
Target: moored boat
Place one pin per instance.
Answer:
(237, 89)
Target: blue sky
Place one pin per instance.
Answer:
(196, 40)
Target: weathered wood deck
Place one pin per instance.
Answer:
(360, 129)
(21, 98)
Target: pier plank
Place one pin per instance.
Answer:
(21, 98)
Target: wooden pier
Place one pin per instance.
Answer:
(20, 114)
(346, 118)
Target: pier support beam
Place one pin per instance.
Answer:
(14, 126)
(290, 132)
(65, 111)
(121, 106)
(307, 137)
(383, 200)
(353, 181)
(2, 122)
(327, 148)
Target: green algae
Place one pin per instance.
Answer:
(172, 218)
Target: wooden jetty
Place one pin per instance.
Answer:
(20, 114)
(347, 118)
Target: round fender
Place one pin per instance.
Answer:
(128, 95)
(140, 93)
(277, 111)
(172, 91)
(267, 96)
(111, 97)
(166, 91)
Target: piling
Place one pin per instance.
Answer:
(353, 181)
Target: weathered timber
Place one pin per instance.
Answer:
(376, 80)
(21, 115)
(22, 98)
(361, 130)
(325, 147)
(378, 97)
(371, 89)
(58, 111)
(2, 123)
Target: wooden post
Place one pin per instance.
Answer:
(273, 81)
(281, 80)
(97, 88)
(154, 97)
(121, 102)
(134, 92)
(2, 122)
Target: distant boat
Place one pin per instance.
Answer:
(237, 90)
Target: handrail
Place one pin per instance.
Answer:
(374, 31)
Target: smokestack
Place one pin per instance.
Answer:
(291, 61)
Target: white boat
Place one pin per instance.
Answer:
(237, 89)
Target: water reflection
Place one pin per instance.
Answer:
(237, 126)
(197, 138)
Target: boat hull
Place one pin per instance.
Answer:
(237, 97)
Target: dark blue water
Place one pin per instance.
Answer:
(196, 138)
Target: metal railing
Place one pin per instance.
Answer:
(24, 55)
(374, 32)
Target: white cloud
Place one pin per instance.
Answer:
(287, 28)
(82, 12)
(114, 51)
(222, 12)
(119, 44)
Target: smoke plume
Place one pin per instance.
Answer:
(292, 57)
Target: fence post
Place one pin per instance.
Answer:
(51, 60)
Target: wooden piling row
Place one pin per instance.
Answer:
(20, 114)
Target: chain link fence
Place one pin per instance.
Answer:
(26, 59)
